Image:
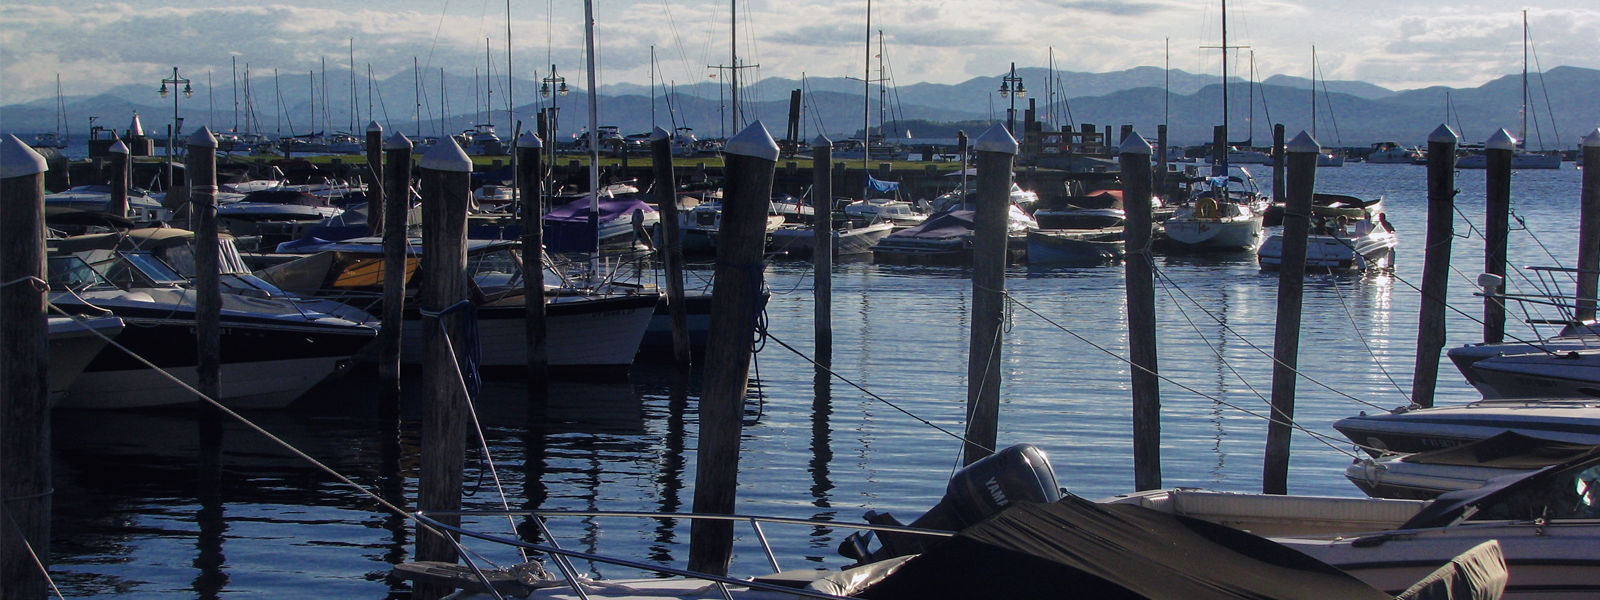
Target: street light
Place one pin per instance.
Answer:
(172, 134)
(555, 80)
(1008, 90)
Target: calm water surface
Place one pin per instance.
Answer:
(138, 513)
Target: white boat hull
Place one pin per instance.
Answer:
(251, 385)
(73, 344)
(1329, 253)
(1240, 233)
(581, 333)
(1566, 420)
(1538, 375)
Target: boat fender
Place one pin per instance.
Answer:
(1205, 208)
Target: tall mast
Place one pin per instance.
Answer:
(594, 133)
(235, 95)
(652, 87)
(1225, 136)
(1314, 93)
(733, 57)
(1522, 135)
(866, 109)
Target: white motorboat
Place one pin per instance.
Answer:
(896, 212)
(74, 342)
(1221, 218)
(1547, 523)
(1412, 429)
(273, 348)
(801, 240)
(1426, 475)
(1347, 234)
(1502, 379)
(946, 239)
(588, 333)
(144, 209)
(1393, 153)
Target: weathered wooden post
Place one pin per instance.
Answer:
(375, 208)
(1435, 263)
(25, 481)
(202, 176)
(666, 185)
(1139, 271)
(1589, 228)
(1161, 164)
(397, 207)
(996, 151)
(822, 256)
(1496, 230)
(752, 157)
(1278, 161)
(530, 163)
(1302, 180)
(121, 172)
(446, 173)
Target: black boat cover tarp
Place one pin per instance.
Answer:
(940, 227)
(1509, 450)
(1078, 549)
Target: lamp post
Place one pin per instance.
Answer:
(172, 134)
(554, 81)
(1011, 87)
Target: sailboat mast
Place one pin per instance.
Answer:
(235, 95)
(1522, 135)
(594, 133)
(1225, 136)
(355, 99)
(733, 60)
(652, 87)
(866, 109)
(1314, 93)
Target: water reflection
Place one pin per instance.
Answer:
(211, 579)
(821, 457)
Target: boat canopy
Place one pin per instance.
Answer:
(566, 227)
(1094, 550)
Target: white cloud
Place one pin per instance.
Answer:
(96, 45)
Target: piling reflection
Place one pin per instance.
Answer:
(209, 582)
(822, 457)
(669, 480)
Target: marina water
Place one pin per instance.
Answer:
(136, 515)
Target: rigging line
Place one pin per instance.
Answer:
(1536, 345)
(1207, 340)
(1158, 273)
(1357, 329)
(1557, 130)
(477, 425)
(1536, 240)
(988, 368)
(1291, 422)
(43, 570)
(831, 372)
(1328, 100)
(258, 429)
(436, 30)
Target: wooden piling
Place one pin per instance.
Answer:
(1589, 228)
(375, 208)
(996, 152)
(446, 173)
(666, 186)
(822, 256)
(25, 479)
(530, 163)
(1435, 263)
(1278, 161)
(1497, 227)
(1161, 162)
(397, 208)
(752, 157)
(121, 172)
(1302, 180)
(202, 176)
(1134, 156)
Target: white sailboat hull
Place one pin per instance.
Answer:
(250, 385)
(1237, 233)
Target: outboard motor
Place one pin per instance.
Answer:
(1020, 473)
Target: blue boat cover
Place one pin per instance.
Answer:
(883, 187)
(566, 227)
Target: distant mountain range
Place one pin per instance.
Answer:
(1361, 113)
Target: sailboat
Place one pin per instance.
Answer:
(58, 138)
(1224, 216)
(1521, 158)
(1324, 158)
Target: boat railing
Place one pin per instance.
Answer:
(1547, 281)
(562, 558)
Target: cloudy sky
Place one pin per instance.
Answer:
(1398, 44)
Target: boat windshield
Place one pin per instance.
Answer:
(495, 271)
(72, 273)
(149, 266)
(1573, 493)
